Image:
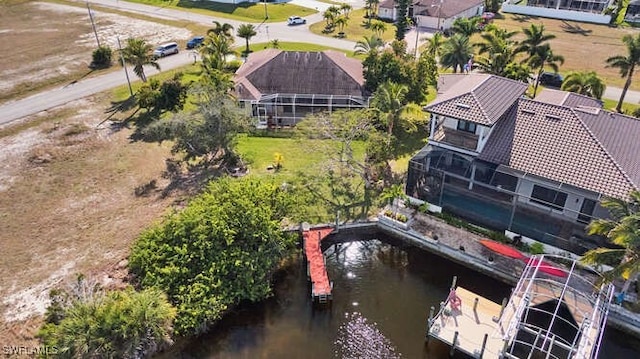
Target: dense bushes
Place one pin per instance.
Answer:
(220, 250)
(101, 58)
(118, 324)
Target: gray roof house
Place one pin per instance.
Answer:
(594, 11)
(535, 167)
(281, 87)
(435, 14)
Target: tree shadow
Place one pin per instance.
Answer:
(119, 107)
(523, 18)
(79, 78)
(574, 29)
(188, 179)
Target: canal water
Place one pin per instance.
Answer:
(382, 293)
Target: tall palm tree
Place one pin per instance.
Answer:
(498, 51)
(215, 50)
(585, 83)
(246, 31)
(138, 53)
(535, 38)
(627, 64)
(466, 26)
(368, 45)
(221, 29)
(391, 194)
(455, 52)
(345, 8)
(329, 16)
(341, 22)
(544, 57)
(622, 229)
(434, 43)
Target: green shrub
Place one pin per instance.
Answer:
(536, 248)
(101, 58)
(402, 218)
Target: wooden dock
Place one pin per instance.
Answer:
(473, 329)
(321, 287)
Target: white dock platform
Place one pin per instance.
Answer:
(469, 325)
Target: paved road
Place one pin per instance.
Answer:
(266, 32)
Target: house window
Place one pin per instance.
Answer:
(586, 211)
(466, 126)
(548, 197)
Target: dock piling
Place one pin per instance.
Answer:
(504, 305)
(475, 304)
(430, 320)
(484, 344)
(453, 345)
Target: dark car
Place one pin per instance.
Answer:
(195, 42)
(550, 79)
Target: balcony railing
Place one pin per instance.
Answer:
(460, 139)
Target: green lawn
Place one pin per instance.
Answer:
(355, 29)
(249, 12)
(299, 155)
(627, 108)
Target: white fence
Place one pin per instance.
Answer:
(556, 13)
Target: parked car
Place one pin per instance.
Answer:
(550, 79)
(195, 42)
(296, 20)
(167, 49)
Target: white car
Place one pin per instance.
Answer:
(166, 49)
(296, 20)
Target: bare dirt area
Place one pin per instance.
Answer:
(68, 205)
(51, 44)
(584, 46)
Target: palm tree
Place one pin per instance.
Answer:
(275, 44)
(345, 8)
(455, 52)
(341, 22)
(215, 50)
(378, 27)
(221, 29)
(138, 53)
(434, 43)
(389, 99)
(368, 45)
(626, 64)
(498, 51)
(585, 83)
(535, 38)
(392, 194)
(329, 17)
(622, 229)
(466, 26)
(246, 31)
(544, 57)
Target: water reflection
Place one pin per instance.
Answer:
(382, 294)
(357, 338)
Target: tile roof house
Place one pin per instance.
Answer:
(281, 87)
(594, 11)
(536, 167)
(433, 13)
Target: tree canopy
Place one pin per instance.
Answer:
(221, 249)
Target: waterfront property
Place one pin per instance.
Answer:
(552, 314)
(577, 10)
(279, 88)
(321, 286)
(537, 167)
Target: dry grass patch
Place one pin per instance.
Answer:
(584, 46)
(68, 205)
(51, 43)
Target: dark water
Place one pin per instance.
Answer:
(382, 295)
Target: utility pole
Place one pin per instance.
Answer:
(266, 14)
(439, 13)
(93, 24)
(415, 51)
(124, 64)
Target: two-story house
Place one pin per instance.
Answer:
(534, 167)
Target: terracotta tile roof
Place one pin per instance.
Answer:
(275, 71)
(569, 99)
(561, 144)
(449, 8)
(387, 4)
(478, 98)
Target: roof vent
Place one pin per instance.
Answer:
(528, 111)
(319, 55)
(554, 117)
(588, 109)
(462, 105)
